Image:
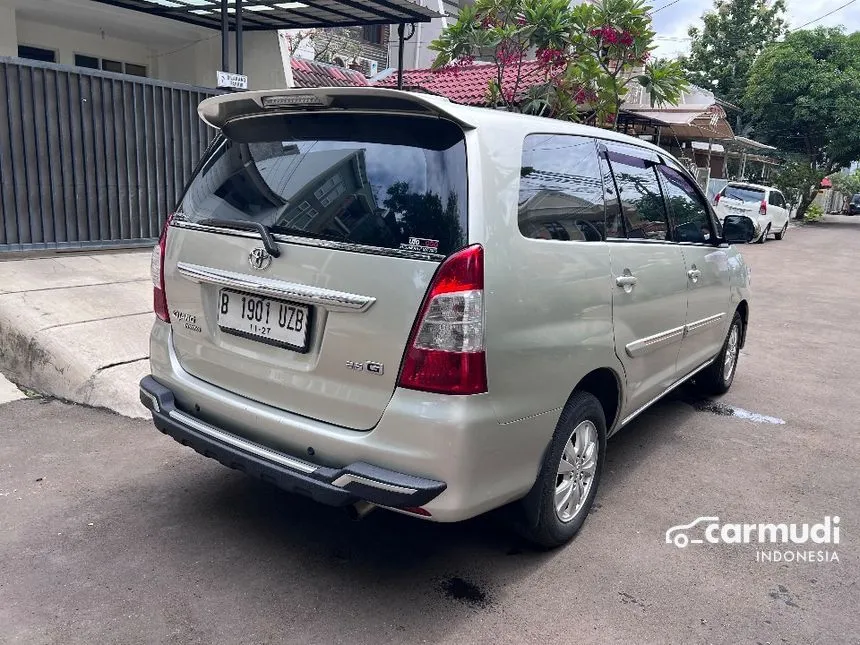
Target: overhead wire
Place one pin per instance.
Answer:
(829, 13)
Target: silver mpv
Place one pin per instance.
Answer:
(379, 298)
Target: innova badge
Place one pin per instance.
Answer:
(259, 259)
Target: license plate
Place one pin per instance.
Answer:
(270, 321)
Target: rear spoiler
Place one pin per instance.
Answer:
(218, 110)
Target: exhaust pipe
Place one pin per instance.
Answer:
(359, 510)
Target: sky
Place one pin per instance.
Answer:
(671, 23)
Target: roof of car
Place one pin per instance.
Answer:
(744, 184)
(218, 110)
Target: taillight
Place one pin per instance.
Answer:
(762, 210)
(159, 297)
(446, 348)
(717, 199)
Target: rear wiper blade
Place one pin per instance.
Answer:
(265, 234)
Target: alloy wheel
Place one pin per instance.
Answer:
(731, 359)
(576, 471)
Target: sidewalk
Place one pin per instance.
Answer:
(77, 327)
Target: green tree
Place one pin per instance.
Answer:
(845, 183)
(590, 55)
(797, 179)
(802, 98)
(724, 50)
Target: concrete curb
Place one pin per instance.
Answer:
(77, 328)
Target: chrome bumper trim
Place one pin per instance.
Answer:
(327, 298)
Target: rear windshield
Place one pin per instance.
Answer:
(744, 194)
(383, 181)
(856, 199)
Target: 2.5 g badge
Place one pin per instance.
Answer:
(367, 366)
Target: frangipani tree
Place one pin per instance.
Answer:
(589, 55)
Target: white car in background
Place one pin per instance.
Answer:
(765, 206)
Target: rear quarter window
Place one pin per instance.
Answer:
(561, 190)
(384, 182)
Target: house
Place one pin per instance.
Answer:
(178, 40)
(467, 84)
(98, 101)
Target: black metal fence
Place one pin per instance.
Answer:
(90, 159)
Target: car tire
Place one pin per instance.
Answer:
(547, 520)
(781, 234)
(764, 235)
(717, 378)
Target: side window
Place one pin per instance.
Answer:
(690, 216)
(772, 199)
(641, 199)
(561, 193)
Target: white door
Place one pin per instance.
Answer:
(779, 211)
(648, 283)
(707, 270)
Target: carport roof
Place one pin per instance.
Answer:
(266, 15)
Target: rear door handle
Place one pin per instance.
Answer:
(626, 282)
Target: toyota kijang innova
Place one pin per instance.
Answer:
(378, 298)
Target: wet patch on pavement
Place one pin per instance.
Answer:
(706, 405)
(465, 591)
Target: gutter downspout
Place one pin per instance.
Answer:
(417, 46)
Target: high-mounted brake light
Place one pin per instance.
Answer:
(159, 296)
(446, 353)
(293, 100)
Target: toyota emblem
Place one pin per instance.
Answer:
(259, 259)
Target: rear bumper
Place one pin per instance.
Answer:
(331, 486)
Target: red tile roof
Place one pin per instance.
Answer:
(468, 84)
(310, 73)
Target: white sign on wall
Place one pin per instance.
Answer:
(228, 81)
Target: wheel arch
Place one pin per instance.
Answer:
(605, 385)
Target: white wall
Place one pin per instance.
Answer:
(8, 32)
(424, 35)
(198, 62)
(68, 42)
(171, 51)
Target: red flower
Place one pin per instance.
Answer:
(551, 57)
(521, 20)
(626, 38)
(507, 56)
(609, 34)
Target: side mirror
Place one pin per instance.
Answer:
(738, 229)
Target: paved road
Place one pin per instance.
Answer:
(111, 533)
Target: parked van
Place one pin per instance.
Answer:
(765, 207)
(378, 298)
